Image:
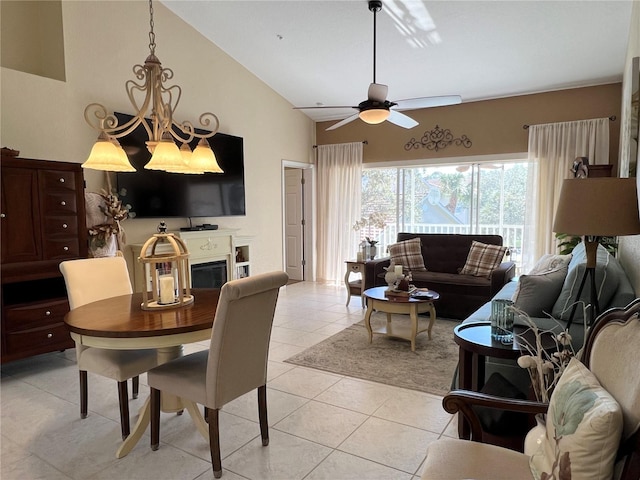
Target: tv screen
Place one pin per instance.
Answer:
(158, 194)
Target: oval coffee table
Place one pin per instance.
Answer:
(377, 300)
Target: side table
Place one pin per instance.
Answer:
(476, 344)
(355, 287)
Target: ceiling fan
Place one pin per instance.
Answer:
(376, 108)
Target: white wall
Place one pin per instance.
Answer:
(630, 246)
(43, 118)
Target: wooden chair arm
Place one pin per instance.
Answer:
(463, 401)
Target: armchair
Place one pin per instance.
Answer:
(610, 362)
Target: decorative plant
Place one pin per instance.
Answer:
(544, 367)
(115, 212)
(566, 243)
(373, 221)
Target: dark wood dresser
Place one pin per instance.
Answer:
(43, 222)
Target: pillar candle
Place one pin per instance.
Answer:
(167, 294)
(397, 270)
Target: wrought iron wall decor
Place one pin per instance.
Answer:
(437, 139)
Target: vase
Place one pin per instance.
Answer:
(535, 437)
(390, 277)
(372, 252)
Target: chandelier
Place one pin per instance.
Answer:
(148, 92)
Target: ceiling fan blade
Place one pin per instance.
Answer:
(343, 122)
(325, 106)
(401, 119)
(427, 102)
(377, 92)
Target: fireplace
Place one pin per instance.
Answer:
(209, 274)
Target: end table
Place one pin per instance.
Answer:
(355, 287)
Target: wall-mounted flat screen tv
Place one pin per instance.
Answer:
(158, 194)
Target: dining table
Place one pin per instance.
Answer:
(119, 323)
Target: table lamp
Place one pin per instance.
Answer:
(596, 208)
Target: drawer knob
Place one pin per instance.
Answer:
(61, 180)
(2, 215)
(64, 225)
(63, 203)
(47, 313)
(65, 248)
(49, 335)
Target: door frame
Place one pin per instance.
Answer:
(309, 195)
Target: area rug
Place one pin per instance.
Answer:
(387, 360)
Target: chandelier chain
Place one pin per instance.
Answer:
(152, 35)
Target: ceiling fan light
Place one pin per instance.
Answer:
(166, 155)
(374, 116)
(108, 155)
(204, 159)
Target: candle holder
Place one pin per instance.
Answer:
(166, 272)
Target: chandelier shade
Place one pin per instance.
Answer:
(107, 154)
(154, 104)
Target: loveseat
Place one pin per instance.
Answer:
(444, 256)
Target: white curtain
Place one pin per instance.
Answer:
(553, 147)
(339, 185)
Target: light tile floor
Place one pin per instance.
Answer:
(322, 426)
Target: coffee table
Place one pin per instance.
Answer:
(378, 301)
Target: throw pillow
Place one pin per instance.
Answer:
(606, 283)
(483, 259)
(408, 254)
(550, 262)
(583, 429)
(537, 293)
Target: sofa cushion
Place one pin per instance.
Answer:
(607, 280)
(483, 259)
(583, 429)
(424, 279)
(536, 294)
(408, 254)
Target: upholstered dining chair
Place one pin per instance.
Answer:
(235, 363)
(89, 280)
(592, 427)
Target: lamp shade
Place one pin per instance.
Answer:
(203, 159)
(166, 155)
(602, 207)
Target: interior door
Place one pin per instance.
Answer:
(294, 223)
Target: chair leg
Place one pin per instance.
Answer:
(262, 414)
(155, 419)
(123, 397)
(206, 414)
(135, 386)
(214, 442)
(84, 394)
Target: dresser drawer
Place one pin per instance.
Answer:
(47, 338)
(59, 202)
(57, 180)
(61, 248)
(23, 317)
(57, 225)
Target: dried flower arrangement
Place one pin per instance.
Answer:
(114, 212)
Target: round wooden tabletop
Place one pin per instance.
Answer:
(123, 317)
(476, 338)
(378, 293)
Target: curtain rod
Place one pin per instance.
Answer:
(611, 118)
(364, 142)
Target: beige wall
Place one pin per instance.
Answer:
(493, 126)
(43, 118)
(630, 246)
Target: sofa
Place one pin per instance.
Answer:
(444, 257)
(547, 294)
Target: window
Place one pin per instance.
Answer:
(483, 198)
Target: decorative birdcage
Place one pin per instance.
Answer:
(164, 259)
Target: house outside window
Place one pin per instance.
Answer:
(482, 198)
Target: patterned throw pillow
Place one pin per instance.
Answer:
(408, 254)
(483, 259)
(583, 429)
